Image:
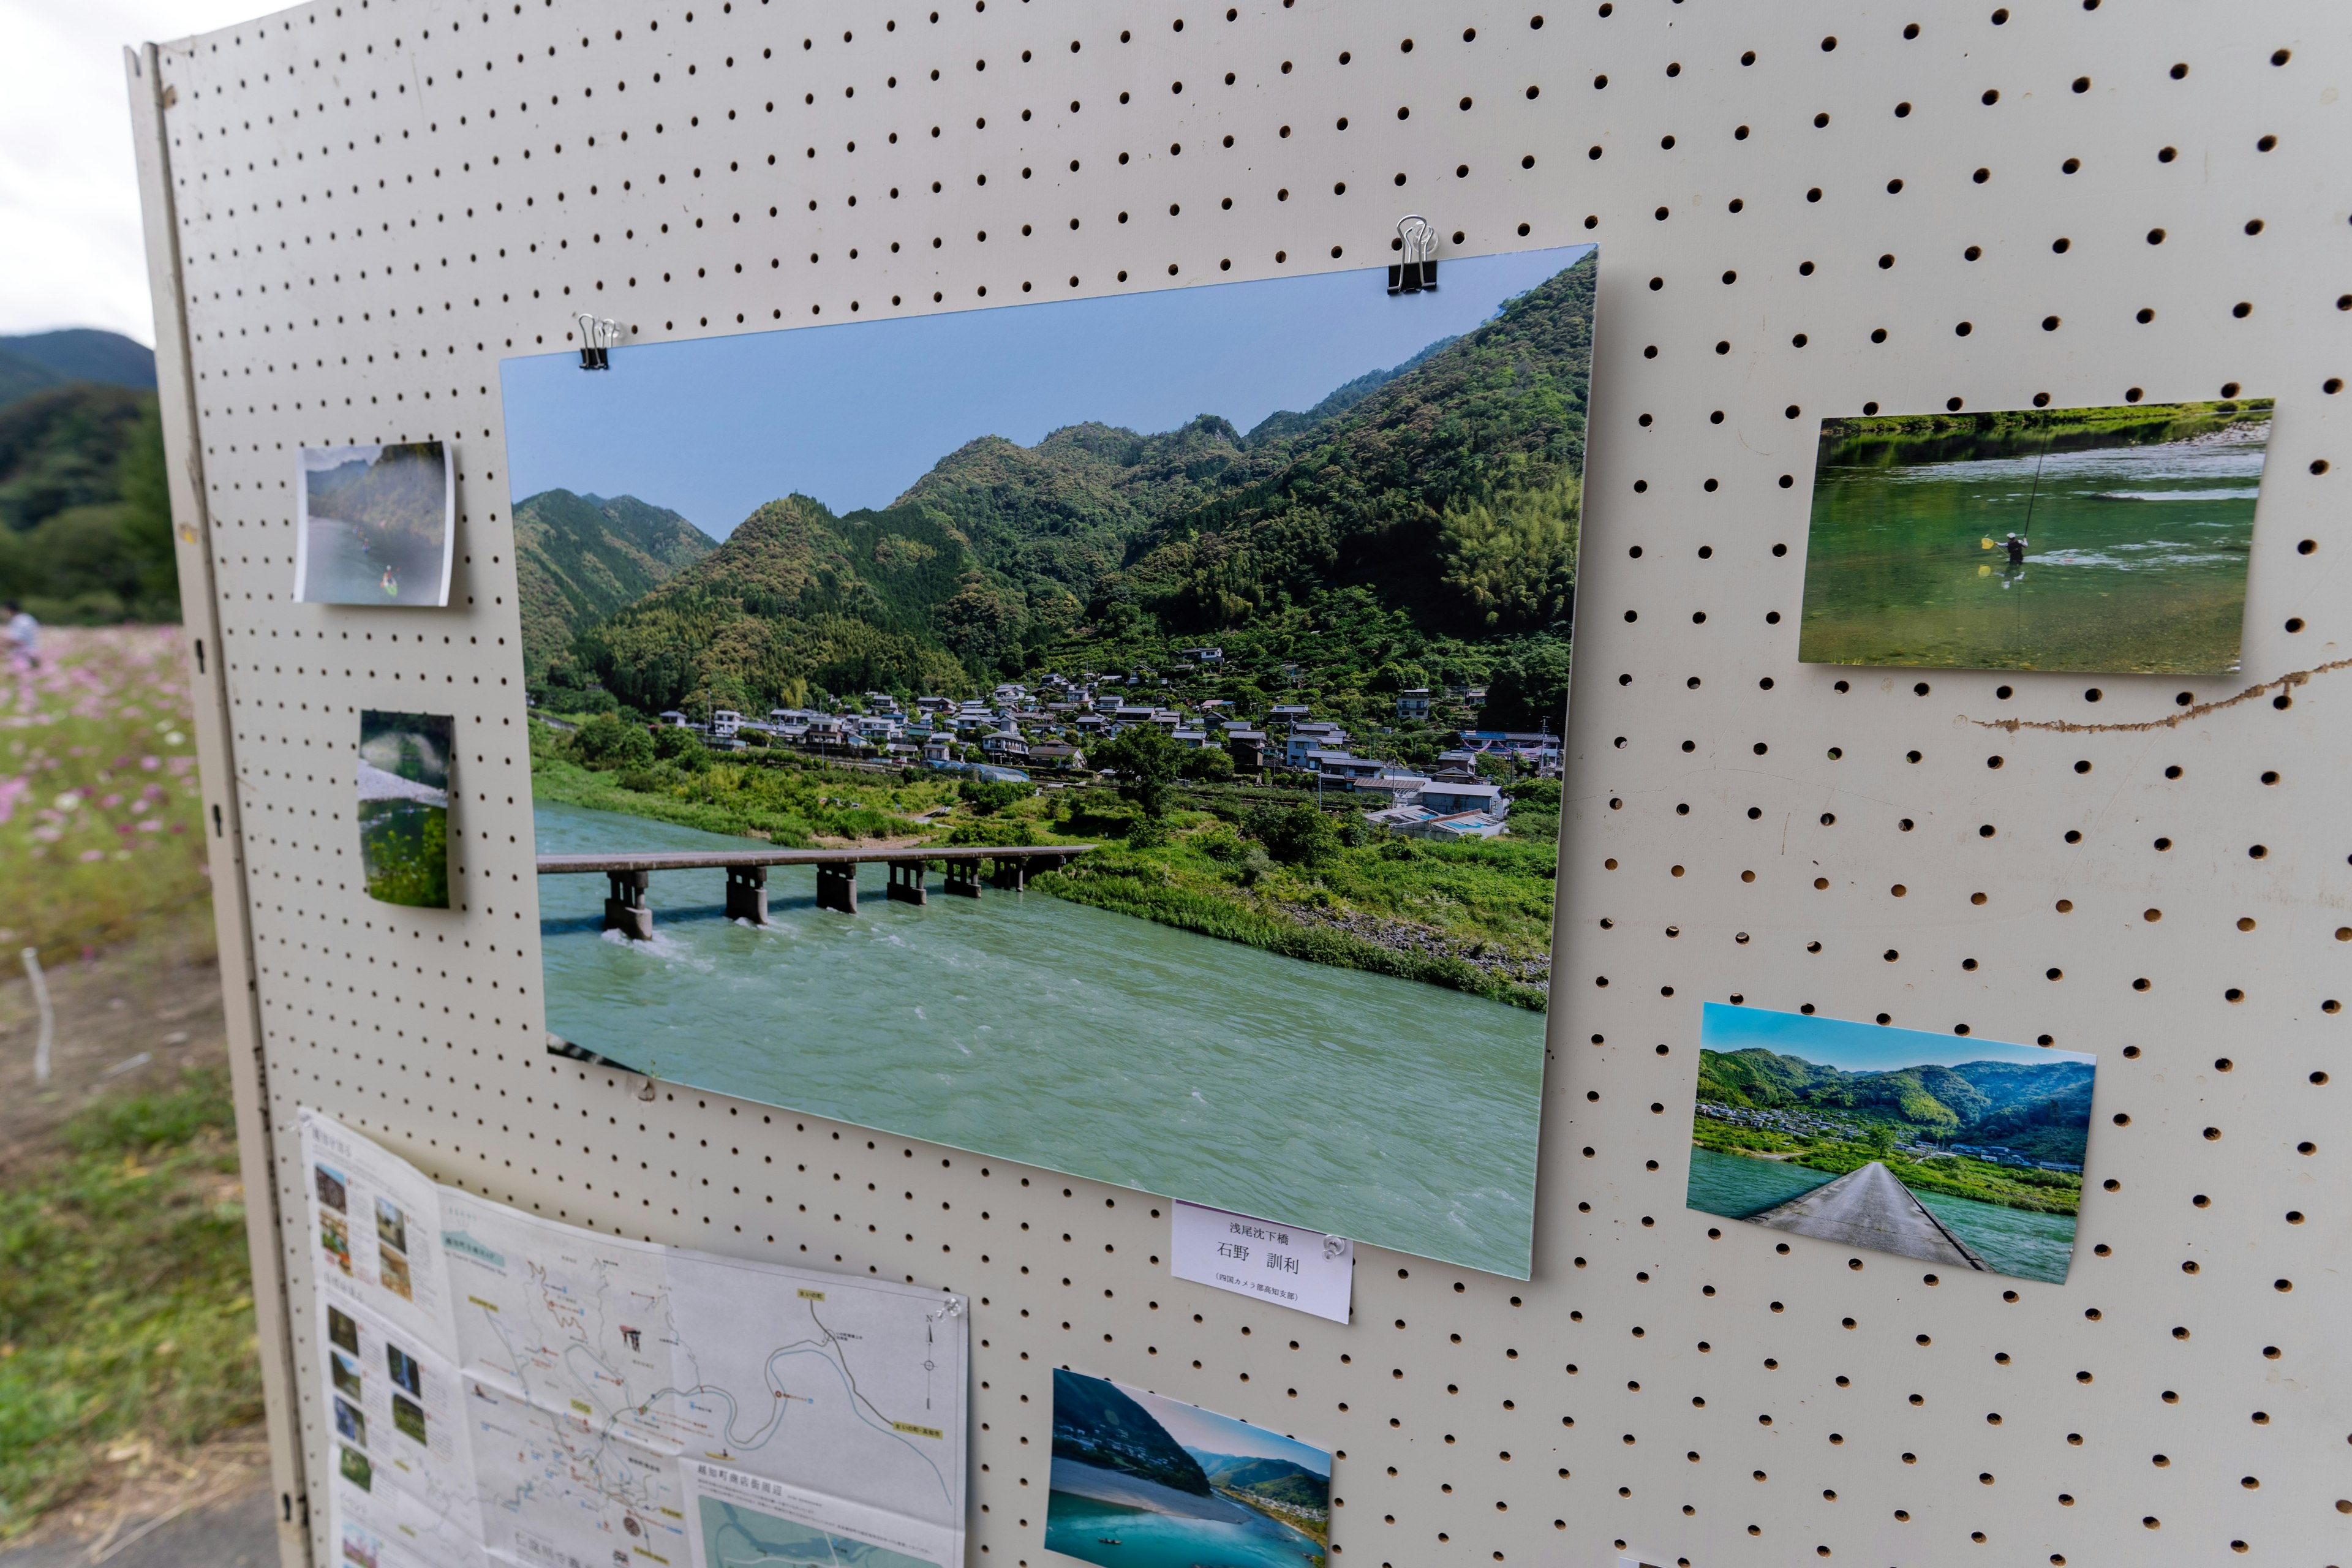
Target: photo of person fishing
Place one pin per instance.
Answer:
(2111, 540)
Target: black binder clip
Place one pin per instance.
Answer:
(597, 336)
(1417, 268)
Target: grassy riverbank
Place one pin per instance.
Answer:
(1228, 862)
(1956, 1176)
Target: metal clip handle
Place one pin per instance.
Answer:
(597, 336)
(1416, 267)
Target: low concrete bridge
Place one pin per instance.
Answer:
(1871, 1207)
(836, 874)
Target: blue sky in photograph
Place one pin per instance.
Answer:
(1194, 1427)
(1857, 1047)
(855, 414)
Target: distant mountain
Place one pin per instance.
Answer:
(580, 558)
(85, 509)
(39, 360)
(797, 600)
(1095, 1423)
(1437, 502)
(403, 493)
(1281, 1481)
(62, 447)
(2041, 1107)
(22, 378)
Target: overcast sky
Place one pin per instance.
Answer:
(715, 427)
(71, 253)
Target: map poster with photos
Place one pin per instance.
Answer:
(1213, 643)
(568, 1395)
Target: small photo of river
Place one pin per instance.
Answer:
(1144, 1481)
(1961, 1153)
(377, 525)
(2112, 540)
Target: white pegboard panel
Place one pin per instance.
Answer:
(378, 200)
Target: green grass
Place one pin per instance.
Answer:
(1955, 1176)
(786, 798)
(125, 1304)
(404, 850)
(1473, 916)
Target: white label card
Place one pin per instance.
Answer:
(1302, 1269)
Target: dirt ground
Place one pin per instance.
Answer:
(127, 1017)
(209, 1507)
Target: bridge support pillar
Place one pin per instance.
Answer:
(747, 894)
(906, 885)
(625, 909)
(836, 887)
(963, 878)
(1011, 872)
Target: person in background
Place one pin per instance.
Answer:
(23, 633)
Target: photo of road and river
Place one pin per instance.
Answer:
(1962, 1152)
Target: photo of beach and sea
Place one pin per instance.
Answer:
(1961, 1153)
(1144, 1481)
(2111, 540)
(377, 525)
(1120, 735)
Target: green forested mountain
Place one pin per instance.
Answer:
(1282, 1481)
(1418, 524)
(403, 493)
(2038, 1106)
(85, 512)
(75, 354)
(1096, 1423)
(796, 598)
(580, 558)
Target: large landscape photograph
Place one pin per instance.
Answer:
(1122, 735)
(1967, 1153)
(2111, 540)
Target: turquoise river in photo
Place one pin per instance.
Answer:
(1104, 1533)
(2017, 1242)
(2135, 558)
(1017, 1025)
